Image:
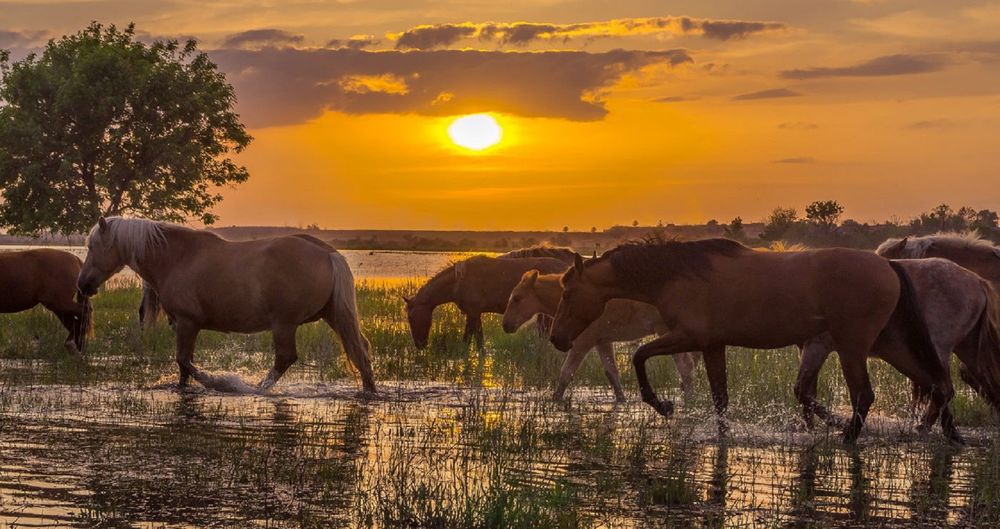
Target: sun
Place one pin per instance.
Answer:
(475, 132)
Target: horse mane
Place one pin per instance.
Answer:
(650, 263)
(135, 238)
(917, 246)
(561, 253)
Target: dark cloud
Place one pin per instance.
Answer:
(674, 99)
(357, 42)
(797, 159)
(901, 64)
(21, 39)
(522, 33)
(930, 124)
(767, 94)
(288, 86)
(259, 38)
(798, 125)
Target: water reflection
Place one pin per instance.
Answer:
(114, 457)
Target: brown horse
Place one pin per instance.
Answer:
(478, 285)
(206, 282)
(46, 276)
(622, 320)
(713, 293)
(961, 317)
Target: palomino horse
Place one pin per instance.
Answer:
(960, 310)
(478, 285)
(622, 320)
(716, 292)
(46, 276)
(206, 282)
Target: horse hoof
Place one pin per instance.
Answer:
(663, 407)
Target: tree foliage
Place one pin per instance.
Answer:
(778, 223)
(824, 213)
(102, 124)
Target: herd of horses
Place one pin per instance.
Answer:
(913, 303)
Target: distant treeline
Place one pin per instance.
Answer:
(819, 226)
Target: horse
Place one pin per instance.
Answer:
(716, 292)
(149, 305)
(621, 321)
(206, 282)
(960, 310)
(967, 249)
(478, 285)
(47, 277)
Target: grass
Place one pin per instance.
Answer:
(489, 450)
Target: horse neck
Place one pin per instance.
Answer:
(549, 292)
(438, 290)
(158, 264)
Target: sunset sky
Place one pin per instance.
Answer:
(680, 111)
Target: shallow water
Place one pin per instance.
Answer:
(313, 454)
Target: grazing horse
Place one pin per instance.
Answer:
(46, 276)
(960, 310)
(478, 285)
(206, 282)
(716, 292)
(622, 320)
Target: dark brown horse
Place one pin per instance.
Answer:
(206, 282)
(716, 292)
(478, 285)
(48, 277)
(960, 310)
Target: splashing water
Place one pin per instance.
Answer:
(224, 382)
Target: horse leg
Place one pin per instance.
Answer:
(814, 354)
(70, 314)
(715, 367)
(854, 365)
(187, 333)
(669, 344)
(473, 330)
(285, 355)
(606, 351)
(685, 368)
(573, 360)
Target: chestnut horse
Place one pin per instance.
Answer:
(622, 320)
(48, 277)
(478, 285)
(206, 282)
(716, 292)
(961, 313)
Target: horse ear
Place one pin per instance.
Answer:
(578, 264)
(530, 277)
(102, 224)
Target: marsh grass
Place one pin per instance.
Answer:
(492, 450)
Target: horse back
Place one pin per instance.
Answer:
(484, 284)
(37, 276)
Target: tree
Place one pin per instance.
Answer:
(101, 124)
(565, 229)
(824, 213)
(635, 224)
(734, 230)
(593, 229)
(778, 223)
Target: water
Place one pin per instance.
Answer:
(455, 438)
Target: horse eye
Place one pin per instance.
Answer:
(516, 299)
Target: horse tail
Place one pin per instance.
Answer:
(344, 320)
(918, 335)
(149, 307)
(988, 358)
(85, 323)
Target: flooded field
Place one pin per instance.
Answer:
(456, 438)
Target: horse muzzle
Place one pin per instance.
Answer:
(86, 287)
